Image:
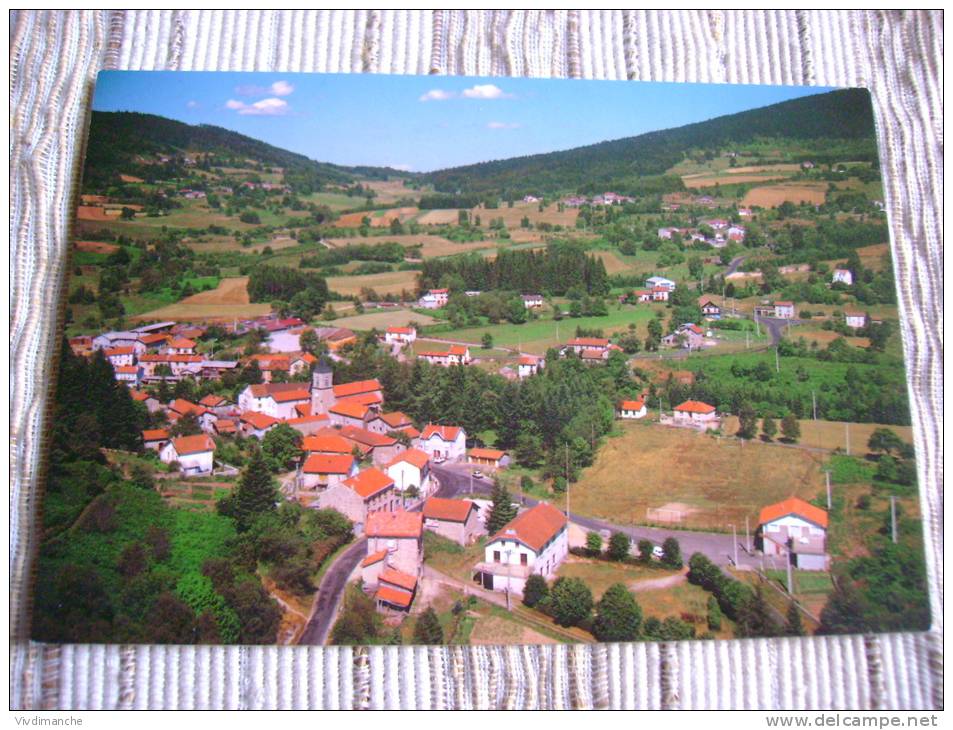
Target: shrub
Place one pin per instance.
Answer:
(535, 590)
(570, 601)
(618, 546)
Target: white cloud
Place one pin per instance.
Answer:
(266, 107)
(502, 125)
(485, 91)
(437, 95)
(192, 104)
(279, 88)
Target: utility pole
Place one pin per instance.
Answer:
(893, 519)
(790, 576)
(567, 482)
(777, 360)
(847, 437)
(747, 339)
(814, 403)
(827, 478)
(747, 536)
(734, 542)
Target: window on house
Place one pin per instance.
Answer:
(524, 559)
(496, 556)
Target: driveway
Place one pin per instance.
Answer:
(330, 592)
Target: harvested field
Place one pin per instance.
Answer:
(707, 181)
(379, 218)
(825, 337)
(432, 246)
(389, 191)
(523, 235)
(770, 196)
(92, 213)
(723, 480)
(382, 320)
(96, 247)
(439, 217)
(780, 167)
(512, 217)
(389, 282)
(228, 301)
(499, 630)
(833, 434)
(130, 179)
(613, 264)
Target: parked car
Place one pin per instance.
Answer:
(477, 474)
(657, 552)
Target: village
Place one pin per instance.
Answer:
(380, 408)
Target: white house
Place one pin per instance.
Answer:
(784, 310)
(529, 365)
(855, 320)
(121, 356)
(411, 468)
(180, 346)
(532, 301)
(400, 335)
(696, 414)
(796, 530)
(660, 282)
(535, 541)
(434, 299)
(193, 453)
(453, 355)
(277, 400)
(843, 276)
(128, 374)
(632, 409)
(443, 442)
(667, 232)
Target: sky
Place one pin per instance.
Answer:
(424, 123)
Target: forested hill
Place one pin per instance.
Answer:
(835, 123)
(129, 143)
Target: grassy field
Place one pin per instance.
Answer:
(227, 301)
(685, 601)
(538, 335)
(431, 246)
(600, 574)
(382, 320)
(833, 434)
(389, 282)
(512, 217)
(724, 481)
(768, 196)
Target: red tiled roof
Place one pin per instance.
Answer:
(398, 578)
(225, 426)
(591, 354)
(394, 524)
(529, 360)
(181, 343)
(784, 304)
(212, 400)
(392, 595)
(632, 405)
(166, 357)
(369, 482)
(290, 395)
(694, 406)
(265, 389)
(447, 433)
(139, 395)
(349, 408)
(356, 388)
(589, 342)
(414, 457)
(116, 351)
(401, 330)
(182, 406)
(374, 558)
(328, 464)
(481, 453)
(301, 420)
(450, 510)
(153, 339)
(127, 369)
(534, 527)
(185, 445)
(396, 419)
(696, 329)
(258, 421)
(326, 443)
(155, 434)
(793, 506)
(365, 399)
(307, 357)
(459, 350)
(365, 437)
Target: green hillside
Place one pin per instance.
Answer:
(826, 127)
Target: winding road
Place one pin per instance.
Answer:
(330, 591)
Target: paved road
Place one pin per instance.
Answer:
(329, 594)
(720, 548)
(776, 327)
(734, 264)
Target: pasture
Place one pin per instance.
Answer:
(650, 465)
(431, 246)
(439, 217)
(833, 434)
(512, 217)
(227, 301)
(769, 196)
(388, 282)
(378, 218)
(382, 320)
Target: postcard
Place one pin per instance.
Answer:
(369, 359)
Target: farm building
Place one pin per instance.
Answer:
(488, 458)
(535, 541)
(193, 454)
(359, 496)
(257, 424)
(660, 282)
(443, 443)
(581, 344)
(131, 375)
(855, 320)
(320, 471)
(395, 422)
(797, 529)
(434, 299)
(632, 409)
(453, 355)
(784, 310)
(532, 301)
(695, 414)
(394, 558)
(121, 356)
(400, 335)
(529, 365)
(180, 346)
(454, 519)
(709, 308)
(155, 438)
(843, 276)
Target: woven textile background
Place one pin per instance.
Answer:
(54, 60)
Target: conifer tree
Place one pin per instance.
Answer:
(427, 630)
(793, 626)
(618, 615)
(255, 495)
(502, 511)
